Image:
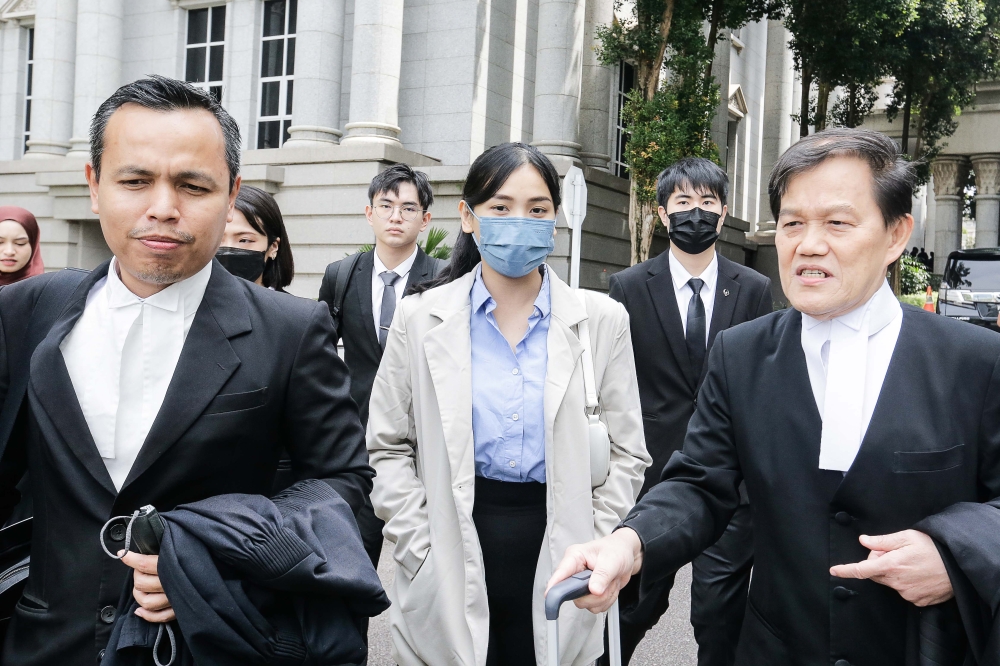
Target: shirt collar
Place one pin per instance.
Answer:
(883, 306)
(680, 275)
(480, 295)
(402, 270)
(184, 296)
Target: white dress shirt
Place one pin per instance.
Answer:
(683, 291)
(121, 355)
(848, 358)
(378, 286)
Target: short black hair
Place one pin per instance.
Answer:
(389, 180)
(164, 94)
(893, 177)
(263, 214)
(698, 173)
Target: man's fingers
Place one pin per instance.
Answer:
(151, 602)
(147, 583)
(156, 616)
(573, 562)
(863, 570)
(886, 542)
(144, 563)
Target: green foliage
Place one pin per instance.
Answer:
(936, 62)
(913, 276)
(434, 245)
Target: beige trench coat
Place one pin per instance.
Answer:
(421, 446)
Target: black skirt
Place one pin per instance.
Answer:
(510, 519)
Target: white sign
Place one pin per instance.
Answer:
(574, 208)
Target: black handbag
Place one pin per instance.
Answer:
(15, 544)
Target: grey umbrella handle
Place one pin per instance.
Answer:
(574, 587)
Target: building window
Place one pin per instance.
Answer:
(277, 69)
(206, 45)
(27, 88)
(626, 83)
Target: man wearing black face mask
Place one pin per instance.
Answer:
(678, 302)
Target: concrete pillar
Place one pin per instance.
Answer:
(316, 108)
(987, 168)
(98, 65)
(595, 99)
(375, 62)
(52, 89)
(778, 106)
(950, 172)
(558, 77)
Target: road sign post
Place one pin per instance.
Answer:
(574, 207)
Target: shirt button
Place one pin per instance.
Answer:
(513, 464)
(515, 371)
(515, 417)
(108, 614)
(100, 656)
(842, 593)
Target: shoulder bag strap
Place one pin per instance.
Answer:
(600, 441)
(344, 272)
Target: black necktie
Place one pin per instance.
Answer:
(388, 305)
(696, 326)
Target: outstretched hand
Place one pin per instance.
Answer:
(147, 589)
(613, 559)
(906, 561)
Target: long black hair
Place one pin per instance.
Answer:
(263, 214)
(486, 176)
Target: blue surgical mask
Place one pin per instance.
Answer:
(514, 246)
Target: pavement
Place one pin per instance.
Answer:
(669, 643)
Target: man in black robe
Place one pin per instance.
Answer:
(867, 433)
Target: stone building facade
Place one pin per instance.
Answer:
(327, 92)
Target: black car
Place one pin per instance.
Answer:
(970, 287)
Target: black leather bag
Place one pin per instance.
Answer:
(15, 544)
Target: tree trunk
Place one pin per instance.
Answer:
(649, 220)
(822, 102)
(852, 105)
(804, 101)
(713, 36)
(905, 143)
(649, 70)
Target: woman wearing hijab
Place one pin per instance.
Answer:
(20, 255)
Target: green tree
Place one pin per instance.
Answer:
(670, 113)
(937, 61)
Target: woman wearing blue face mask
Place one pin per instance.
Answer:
(480, 433)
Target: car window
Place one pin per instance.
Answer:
(973, 274)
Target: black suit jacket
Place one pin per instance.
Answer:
(933, 441)
(356, 324)
(668, 385)
(258, 373)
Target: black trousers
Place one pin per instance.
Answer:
(370, 527)
(510, 519)
(720, 581)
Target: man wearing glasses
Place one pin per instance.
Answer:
(363, 290)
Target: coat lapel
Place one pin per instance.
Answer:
(206, 362)
(53, 388)
(420, 271)
(564, 348)
(448, 351)
(661, 292)
(727, 291)
(363, 292)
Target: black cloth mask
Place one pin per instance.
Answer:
(247, 264)
(694, 230)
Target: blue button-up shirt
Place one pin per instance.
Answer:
(508, 388)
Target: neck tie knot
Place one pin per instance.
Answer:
(696, 284)
(388, 278)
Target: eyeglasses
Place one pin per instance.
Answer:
(408, 212)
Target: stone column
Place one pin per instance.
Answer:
(778, 106)
(98, 65)
(316, 107)
(52, 88)
(375, 62)
(987, 168)
(595, 99)
(950, 172)
(558, 77)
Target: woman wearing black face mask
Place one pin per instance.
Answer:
(255, 245)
